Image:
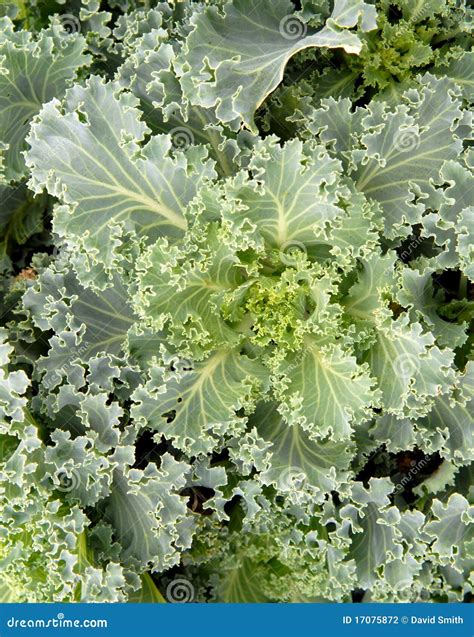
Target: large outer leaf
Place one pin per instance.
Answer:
(374, 279)
(461, 70)
(147, 513)
(409, 367)
(78, 467)
(453, 530)
(372, 524)
(459, 193)
(93, 164)
(194, 404)
(185, 295)
(58, 301)
(297, 457)
(292, 195)
(85, 323)
(235, 57)
(452, 417)
(396, 153)
(336, 124)
(407, 149)
(31, 73)
(397, 435)
(149, 75)
(326, 391)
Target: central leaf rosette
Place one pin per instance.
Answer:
(223, 293)
(249, 298)
(277, 309)
(274, 312)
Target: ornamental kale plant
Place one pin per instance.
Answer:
(236, 359)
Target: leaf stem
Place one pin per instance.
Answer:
(463, 283)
